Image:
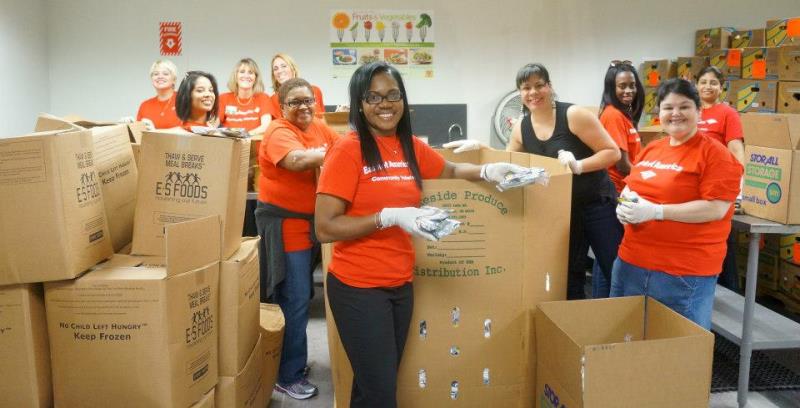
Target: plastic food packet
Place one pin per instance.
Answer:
(439, 224)
(532, 175)
(240, 133)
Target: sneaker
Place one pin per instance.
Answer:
(299, 390)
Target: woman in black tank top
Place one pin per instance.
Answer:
(575, 136)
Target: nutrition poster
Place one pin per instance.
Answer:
(403, 38)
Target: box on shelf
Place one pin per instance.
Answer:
(783, 31)
(788, 97)
(238, 307)
(707, 39)
(760, 63)
(729, 62)
(768, 266)
(789, 282)
(748, 38)
(753, 95)
(789, 63)
(656, 71)
(650, 105)
(689, 67)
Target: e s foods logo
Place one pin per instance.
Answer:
(181, 185)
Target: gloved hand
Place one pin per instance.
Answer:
(126, 119)
(634, 209)
(496, 172)
(149, 124)
(406, 218)
(568, 159)
(460, 146)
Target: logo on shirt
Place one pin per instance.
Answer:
(230, 110)
(632, 131)
(710, 121)
(387, 165)
(658, 165)
(647, 174)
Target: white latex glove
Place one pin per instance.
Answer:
(568, 159)
(461, 146)
(496, 172)
(636, 210)
(149, 124)
(406, 218)
(126, 119)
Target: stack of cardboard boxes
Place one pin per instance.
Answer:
(175, 323)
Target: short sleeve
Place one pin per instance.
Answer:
(431, 163)
(140, 113)
(221, 110)
(265, 105)
(617, 127)
(733, 126)
(280, 143)
(341, 172)
(721, 174)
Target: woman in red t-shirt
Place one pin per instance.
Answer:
(246, 105)
(283, 69)
(367, 201)
(722, 123)
(677, 209)
(158, 112)
(196, 101)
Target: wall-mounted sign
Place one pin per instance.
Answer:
(170, 38)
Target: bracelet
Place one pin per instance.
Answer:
(377, 219)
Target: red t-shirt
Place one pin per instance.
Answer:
(319, 109)
(384, 258)
(161, 113)
(721, 122)
(233, 114)
(699, 169)
(625, 136)
(292, 190)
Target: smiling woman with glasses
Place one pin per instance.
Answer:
(292, 150)
(368, 197)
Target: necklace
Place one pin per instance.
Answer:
(166, 104)
(384, 145)
(243, 103)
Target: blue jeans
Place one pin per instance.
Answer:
(594, 225)
(691, 296)
(293, 297)
(601, 287)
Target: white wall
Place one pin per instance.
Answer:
(100, 50)
(24, 84)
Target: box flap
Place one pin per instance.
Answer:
(556, 354)
(271, 318)
(247, 250)
(663, 323)
(599, 321)
(46, 122)
(193, 244)
(780, 131)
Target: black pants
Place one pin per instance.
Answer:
(373, 325)
(729, 277)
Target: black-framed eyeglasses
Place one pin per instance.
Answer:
(374, 98)
(615, 63)
(296, 103)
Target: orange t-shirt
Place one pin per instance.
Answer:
(625, 136)
(161, 113)
(188, 125)
(384, 258)
(291, 190)
(233, 114)
(721, 122)
(699, 169)
(319, 109)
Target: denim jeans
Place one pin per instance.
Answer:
(292, 296)
(594, 225)
(691, 296)
(601, 287)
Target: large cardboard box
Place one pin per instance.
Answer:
(788, 97)
(136, 333)
(24, 349)
(52, 222)
(707, 39)
(184, 176)
(783, 31)
(246, 388)
(656, 71)
(650, 97)
(789, 63)
(238, 307)
(207, 401)
(116, 167)
(768, 266)
(753, 95)
(469, 342)
(748, 38)
(272, 326)
(760, 63)
(620, 352)
(772, 167)
(789, 282)
(728, 60)
(689, 67)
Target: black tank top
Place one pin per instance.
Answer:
(586, 187)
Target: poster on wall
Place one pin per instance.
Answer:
(402, 38)
(170, 38)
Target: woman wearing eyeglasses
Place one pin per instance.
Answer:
(158, 112)
(283, 69)
(367, 201)
(292, 150)
(246, 105)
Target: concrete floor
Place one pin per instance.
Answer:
(321, 376)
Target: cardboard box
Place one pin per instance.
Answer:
(783, 31)
(789, 282)
(238, 307)
(650, 97)
(136, 148)
(649, 119)
(469, 342)
(206, 402)
(245, 389)
(752, 95)
(768, 266)
(656, 71)
(272, 326)
(728, 60)
(689, 67)
(788, 97)
(760, 63)
(338, 121)
(649, 134)
(772, 167)
(24, 349)
(748, 38)
(116, 167)
(53, 225)
(185, 176)
(789, 63)
(629, 351)
(135, 129)
(707, 39)
(154, 326)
